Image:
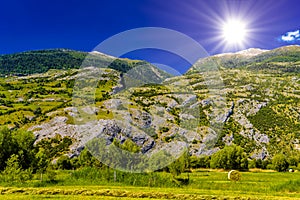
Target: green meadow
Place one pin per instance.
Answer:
(204, 184)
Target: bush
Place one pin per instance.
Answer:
(280, 163)
(231, 157)
(51, 175)
(64, 162)
(256, 163)
(199, 162)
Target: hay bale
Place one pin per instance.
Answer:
(234, 175)
(291, 170)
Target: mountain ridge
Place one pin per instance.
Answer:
(268, 60)
(40, 61)
(22, 63)
(259, 109)
(245, 52)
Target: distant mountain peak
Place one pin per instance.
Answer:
(252, 51)
(284, 59)
(247, 52)
(102, 54)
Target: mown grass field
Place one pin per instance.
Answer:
(203, 185)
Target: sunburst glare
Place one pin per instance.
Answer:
(234, 32)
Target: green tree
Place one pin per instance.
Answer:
(230, 157)
(24, 141)
(179, 165)
(7, 146)
(293, 160)
(64, 162)
(85, 158)
(41, 162)
(199, 162)
(54, 147)
(13, 171)
(280, 163)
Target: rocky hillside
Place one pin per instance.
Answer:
(250, 98)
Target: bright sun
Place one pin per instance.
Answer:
(234, 32)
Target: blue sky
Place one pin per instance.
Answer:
(82, 25)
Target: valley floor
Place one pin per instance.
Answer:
(203, 185)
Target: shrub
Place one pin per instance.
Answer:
(51, 175)
(280, 163)
(64, 162)
(231, 157)
(199, 162)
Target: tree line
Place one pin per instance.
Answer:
(21, 157)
